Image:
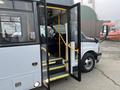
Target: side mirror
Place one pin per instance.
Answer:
(96, 40)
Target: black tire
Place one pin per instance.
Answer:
(87, 63)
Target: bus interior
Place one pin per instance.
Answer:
(61, 43)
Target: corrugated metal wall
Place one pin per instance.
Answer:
(90, 25)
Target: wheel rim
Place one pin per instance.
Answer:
(88, 63)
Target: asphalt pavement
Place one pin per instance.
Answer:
(105, 76)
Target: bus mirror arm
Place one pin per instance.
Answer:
(96, 40)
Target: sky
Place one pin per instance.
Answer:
(107, 9)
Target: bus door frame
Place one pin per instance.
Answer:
(68, 8)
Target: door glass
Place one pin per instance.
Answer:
(74, 41)
(43, 40)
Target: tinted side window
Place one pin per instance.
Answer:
(12, 30)
(18, 24)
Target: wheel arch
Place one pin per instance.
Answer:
(93, 53)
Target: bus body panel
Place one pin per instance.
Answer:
(17, 69)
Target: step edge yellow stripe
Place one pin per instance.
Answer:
(57, 77)
(58, 67)
(56, 59)
(44, 64)
(51, 60)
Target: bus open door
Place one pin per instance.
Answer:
(54, 42)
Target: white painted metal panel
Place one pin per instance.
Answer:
(89, 46)
(16, 66)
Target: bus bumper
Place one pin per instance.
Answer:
(98, 57)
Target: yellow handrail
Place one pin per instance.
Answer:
(56, 8)
(60, 36)
(68, 45)
(45, 50)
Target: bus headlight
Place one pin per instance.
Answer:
(37, 84)
(2, 2)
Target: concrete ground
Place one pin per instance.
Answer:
(106, 75)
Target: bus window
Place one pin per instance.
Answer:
(10, 26)
(13, 32)
(17, 25)
(10, 29)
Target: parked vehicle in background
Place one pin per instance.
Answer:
(110, 31)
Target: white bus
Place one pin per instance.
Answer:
(27, 58)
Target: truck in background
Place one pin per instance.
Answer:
(110, 31)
